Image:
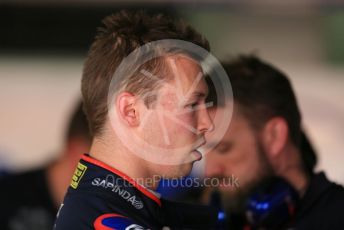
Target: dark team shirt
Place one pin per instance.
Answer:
(101, 197)
(322, 207)
(25, 202)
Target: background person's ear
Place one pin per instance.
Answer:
(127, 109)
(275, 136)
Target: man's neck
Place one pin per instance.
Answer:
(125, 161)
(298, 179)
(295, 174)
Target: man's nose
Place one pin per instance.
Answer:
(205, 122)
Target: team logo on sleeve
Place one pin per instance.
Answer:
(115, 222)
(78, 173)
(119, 190)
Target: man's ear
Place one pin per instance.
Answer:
(275, 136)
(128, 109)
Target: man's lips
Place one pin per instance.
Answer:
(197, 155)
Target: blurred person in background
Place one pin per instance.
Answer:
(271, 157)
(30, 200)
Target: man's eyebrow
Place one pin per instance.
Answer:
(199, 94)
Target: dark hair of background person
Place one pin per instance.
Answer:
(78, 124)
(261, 92)
(121, 34)
(308, 154)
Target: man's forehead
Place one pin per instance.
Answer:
(187, 75)
(182, 58)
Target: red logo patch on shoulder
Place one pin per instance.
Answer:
(112, 221)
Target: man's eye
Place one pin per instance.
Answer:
(193, 106)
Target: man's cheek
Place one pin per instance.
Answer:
(187, 121)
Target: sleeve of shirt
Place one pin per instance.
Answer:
(77, 214)
(189, 216)
(70, 215)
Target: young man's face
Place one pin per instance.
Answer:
(238, 155)
(179, 118)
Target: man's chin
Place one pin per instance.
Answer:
(177, 171)
(234, 201)
(235, 198)
(228, 188)
(229, 191)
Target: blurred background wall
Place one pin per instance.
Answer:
(43, 45)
